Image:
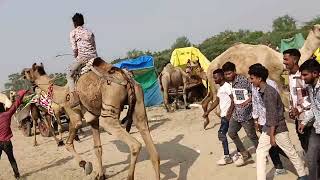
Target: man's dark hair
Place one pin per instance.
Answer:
(293, 52)
(229, 66)
(218, 71)
(259, 71)
(78, 19)
(255, 65)
(311, 65)
(2, 109)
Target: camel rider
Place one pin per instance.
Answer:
(84, 48)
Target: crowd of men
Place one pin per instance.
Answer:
(255, 105)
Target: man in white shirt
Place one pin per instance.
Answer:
(225, 103)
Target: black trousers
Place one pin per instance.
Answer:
(304, 138)
(6, 146)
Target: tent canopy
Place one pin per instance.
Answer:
(180, 57)
(295, 42)
(144, 73)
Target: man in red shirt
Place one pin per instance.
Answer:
(6, 133)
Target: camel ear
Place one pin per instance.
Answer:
(34, 65)
(41, 64)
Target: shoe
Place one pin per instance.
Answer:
(280, 172)
(238, 159)
(226, 159)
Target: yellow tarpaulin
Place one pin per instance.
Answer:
(180, 57)
(317, 54)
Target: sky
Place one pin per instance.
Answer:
(38, 30)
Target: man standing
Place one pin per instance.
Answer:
(310, 74)
(275, 131)
(6, 133)
(299, 101)
(242, 112)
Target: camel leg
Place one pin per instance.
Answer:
(185, 96)
(35, 143)
(97, 147)
(57, 116)
(141, 122)
(166, 99)
(87, 166)
(48, 123)
(34, 117)
(109, 120)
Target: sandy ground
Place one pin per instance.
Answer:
(186, 152)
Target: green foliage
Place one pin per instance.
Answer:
(59, 79)
(284, 24)
(181, 42)
(16, 82)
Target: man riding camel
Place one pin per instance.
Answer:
(84, 48)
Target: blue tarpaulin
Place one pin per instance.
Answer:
(144, 73)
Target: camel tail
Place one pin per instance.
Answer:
(160, 80)
(131, 102)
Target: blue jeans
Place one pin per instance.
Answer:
(222, 134)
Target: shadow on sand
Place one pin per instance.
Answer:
(172, 152)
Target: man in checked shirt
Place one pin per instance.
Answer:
(84, 48)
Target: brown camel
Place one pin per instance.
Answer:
(244, 55)
(34, 112)
(173, 77)
(102, 106)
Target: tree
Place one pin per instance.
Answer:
(134, 54)
(284, 24)
(181, 42)
(16, 82)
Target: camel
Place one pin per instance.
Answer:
(244, 55)
(96, 90)
(173, 77)
(35, 115)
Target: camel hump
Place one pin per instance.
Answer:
(102, 65)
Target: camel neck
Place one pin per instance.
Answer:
(43, 83)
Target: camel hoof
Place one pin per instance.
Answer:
(103, 177)
(60, 143)
(35, 144)
(88, 168)
(187, 107)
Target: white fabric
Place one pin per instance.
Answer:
(258, 109)
(88, 67)
(240, 95)
(284, 142)
(5, 100)
(224, 93)
(298, 95)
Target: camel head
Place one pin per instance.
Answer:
(34, 72)
(194, 68)
(316, 31)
